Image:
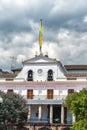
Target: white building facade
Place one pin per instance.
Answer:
(44, 83)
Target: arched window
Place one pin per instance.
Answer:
(50, 75)
(30, 75)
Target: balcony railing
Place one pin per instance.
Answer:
(44, 97)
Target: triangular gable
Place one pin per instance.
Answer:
(39, 58)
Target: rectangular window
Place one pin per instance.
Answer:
(70, 91)
(50, 93)
(71, 78)
(30, 94)
(10, 91)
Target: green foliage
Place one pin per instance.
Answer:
(77, 103)
(80, 125)
(13, 109)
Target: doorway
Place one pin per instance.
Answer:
(57, 114)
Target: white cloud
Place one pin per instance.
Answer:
(20, 58)
(68, 7)
(85, 19)
(63, 34)
(64, 30)
(22, 39)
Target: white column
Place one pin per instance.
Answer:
(69, 117)
(40, 113)
(51, 114)
(73, 118)
(62, 115)
(29, 113)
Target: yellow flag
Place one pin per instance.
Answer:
(40, 35)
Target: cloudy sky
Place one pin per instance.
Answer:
(64, 30)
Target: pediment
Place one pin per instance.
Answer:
(39, 59)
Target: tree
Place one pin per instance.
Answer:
(77, 103)
(14, 110)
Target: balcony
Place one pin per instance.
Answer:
(42, 99)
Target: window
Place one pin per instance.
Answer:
(30, 75)
(50, 93)
(50, 75)
(30, 94)
(71, 78)
(10, 91)
(70, 91)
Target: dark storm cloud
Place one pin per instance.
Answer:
(64, 27)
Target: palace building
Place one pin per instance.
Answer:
(45, 82)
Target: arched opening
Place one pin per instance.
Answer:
(30, 75)
(50, 75)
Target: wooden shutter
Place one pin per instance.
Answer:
(10, 91)
(50, 93)
(70, 91)
(30, 94)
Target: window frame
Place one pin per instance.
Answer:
(49, 93)
(30, 94)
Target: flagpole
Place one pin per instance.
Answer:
(40, 50)
(40, 37)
